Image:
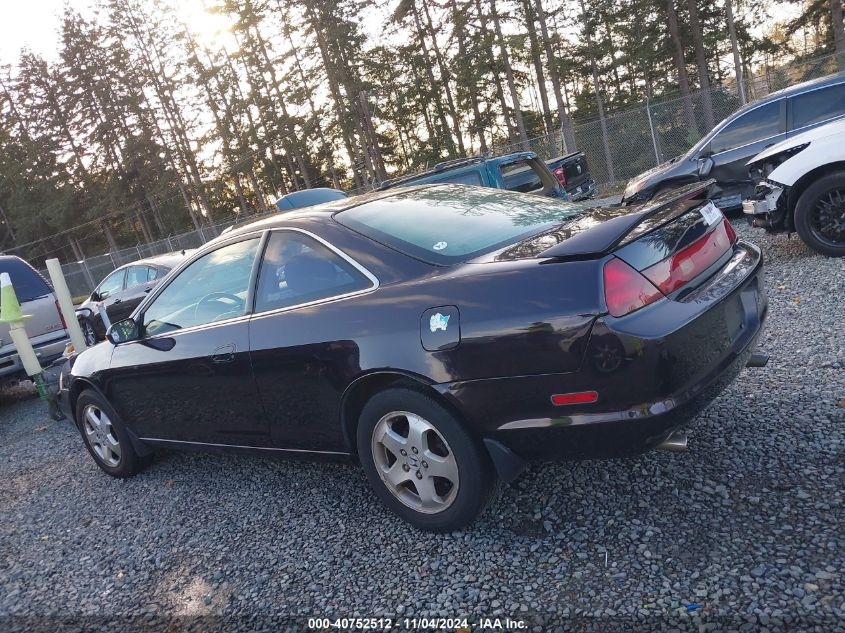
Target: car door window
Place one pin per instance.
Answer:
(756, 125)
(522, 176)
(213, 288)
(153, 273)
(817, 106)
(297, 269)
(111, 285)
(137, 275)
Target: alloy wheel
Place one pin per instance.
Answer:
(415, 462)
(828, 218)
(101, 435)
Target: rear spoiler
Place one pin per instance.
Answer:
(614, 226)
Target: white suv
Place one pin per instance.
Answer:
(46, 327)
(802, 188)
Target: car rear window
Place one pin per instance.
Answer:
(27, 283)
(446, 224)
(522, 176)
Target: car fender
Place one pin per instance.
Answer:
(819, 153)
(355, 395)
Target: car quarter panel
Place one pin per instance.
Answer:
(653, 371)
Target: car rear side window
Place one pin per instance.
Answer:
(760, 123)
(522, 176)
(297, 269)
(817, 106)
(462, 178)
(27, 283)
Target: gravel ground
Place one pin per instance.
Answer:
(743, 532)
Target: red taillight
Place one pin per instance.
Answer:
(626, 290)
(581, 397)
(61, 316)
(675, 271)
(560, 174)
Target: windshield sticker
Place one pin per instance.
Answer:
(439, 246)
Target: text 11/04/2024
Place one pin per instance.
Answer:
(416, 624)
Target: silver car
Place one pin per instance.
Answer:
(45, 327)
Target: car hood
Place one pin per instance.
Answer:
(837, 128)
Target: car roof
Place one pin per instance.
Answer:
(460, 197)
(805, 86)
(168, 260)
(309, 197)
(319, 211)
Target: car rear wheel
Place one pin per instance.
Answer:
(421, 462)
(820, 215)
(106, 438)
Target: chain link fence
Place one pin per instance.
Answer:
(625, 144)
(618, 147)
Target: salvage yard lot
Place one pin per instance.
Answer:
(747, 525)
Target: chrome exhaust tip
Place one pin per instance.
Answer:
(757, 360)
(675, 443)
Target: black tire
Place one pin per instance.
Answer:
(828, 191)
(129, 462)
(88, 331)
(475, 473)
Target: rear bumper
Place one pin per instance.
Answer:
(11, 366)
(583, 190)
(654, 371)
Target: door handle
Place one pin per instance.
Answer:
(116, 301)
(148, 289)
(224, 354)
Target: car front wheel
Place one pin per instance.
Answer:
(421, 462)
(106, 438)
(820, 215)
(88, 332)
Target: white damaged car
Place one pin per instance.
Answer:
(801, 188)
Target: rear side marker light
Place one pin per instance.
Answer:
(626, 290)
(580, 397)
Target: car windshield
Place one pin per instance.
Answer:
(446, 224)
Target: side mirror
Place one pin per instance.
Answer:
(705, 165)
(95, 296)
(123, 332)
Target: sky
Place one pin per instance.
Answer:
(34, 24)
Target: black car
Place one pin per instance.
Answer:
(441, 334)
(723, 154)
(121, 292)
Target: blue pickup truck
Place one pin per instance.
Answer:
(521, 171)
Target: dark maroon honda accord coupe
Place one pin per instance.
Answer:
(443, 335)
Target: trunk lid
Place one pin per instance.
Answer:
(602, 230)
